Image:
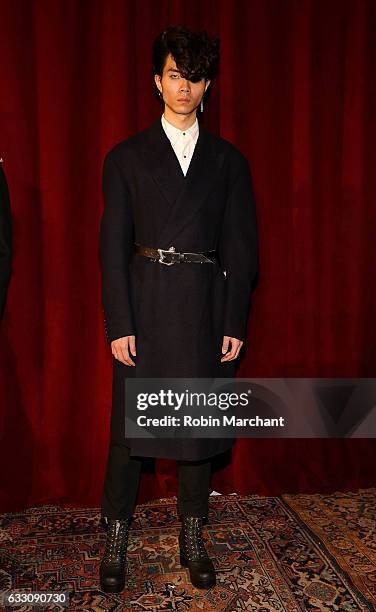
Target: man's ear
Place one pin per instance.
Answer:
(157, 80)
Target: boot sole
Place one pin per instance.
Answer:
(199, 585)
(112, 589)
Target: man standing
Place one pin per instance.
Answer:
(5, 238)
(178, 247)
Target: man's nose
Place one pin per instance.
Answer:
(185, 85)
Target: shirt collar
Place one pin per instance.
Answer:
(174, 133)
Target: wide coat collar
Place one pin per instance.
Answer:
(184, 195)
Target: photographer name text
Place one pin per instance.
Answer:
(208, 421)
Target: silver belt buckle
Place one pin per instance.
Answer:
(161, 256)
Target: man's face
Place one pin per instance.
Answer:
(179, 94)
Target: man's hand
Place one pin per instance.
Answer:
(121, 347)
(236, 345)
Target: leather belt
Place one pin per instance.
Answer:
(170, 256)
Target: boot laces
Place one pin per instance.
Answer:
(117, 539)
(193, 541)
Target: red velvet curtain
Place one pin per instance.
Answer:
(296, 94)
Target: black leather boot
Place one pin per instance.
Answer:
(193, 553)
(112, 567)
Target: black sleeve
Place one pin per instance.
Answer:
(238, 249)
(116, 240)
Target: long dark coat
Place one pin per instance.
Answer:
(180, 313)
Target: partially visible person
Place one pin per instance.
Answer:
(5, 238)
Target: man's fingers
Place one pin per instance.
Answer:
(235, 349)
(231, 350)
(125, 356)
(238, 348)
(129, 344)
(229, 356)
(132, 345)
(120, 350)
(225, 344)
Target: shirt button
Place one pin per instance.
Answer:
(183, 133)
(184, 156)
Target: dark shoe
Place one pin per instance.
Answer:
(112, 567)
(193, 553)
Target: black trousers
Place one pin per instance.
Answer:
(122, 480)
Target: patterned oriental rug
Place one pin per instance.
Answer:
(295, 553)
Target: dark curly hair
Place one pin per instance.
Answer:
(196, 54)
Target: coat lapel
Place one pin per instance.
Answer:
(184, 195)
(162, 163)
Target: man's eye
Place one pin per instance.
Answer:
(174, 75)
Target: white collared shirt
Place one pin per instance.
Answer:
(183, 141)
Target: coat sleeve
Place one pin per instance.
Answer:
(238, 249)
(115, 248)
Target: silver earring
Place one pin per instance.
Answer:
(202, 105)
